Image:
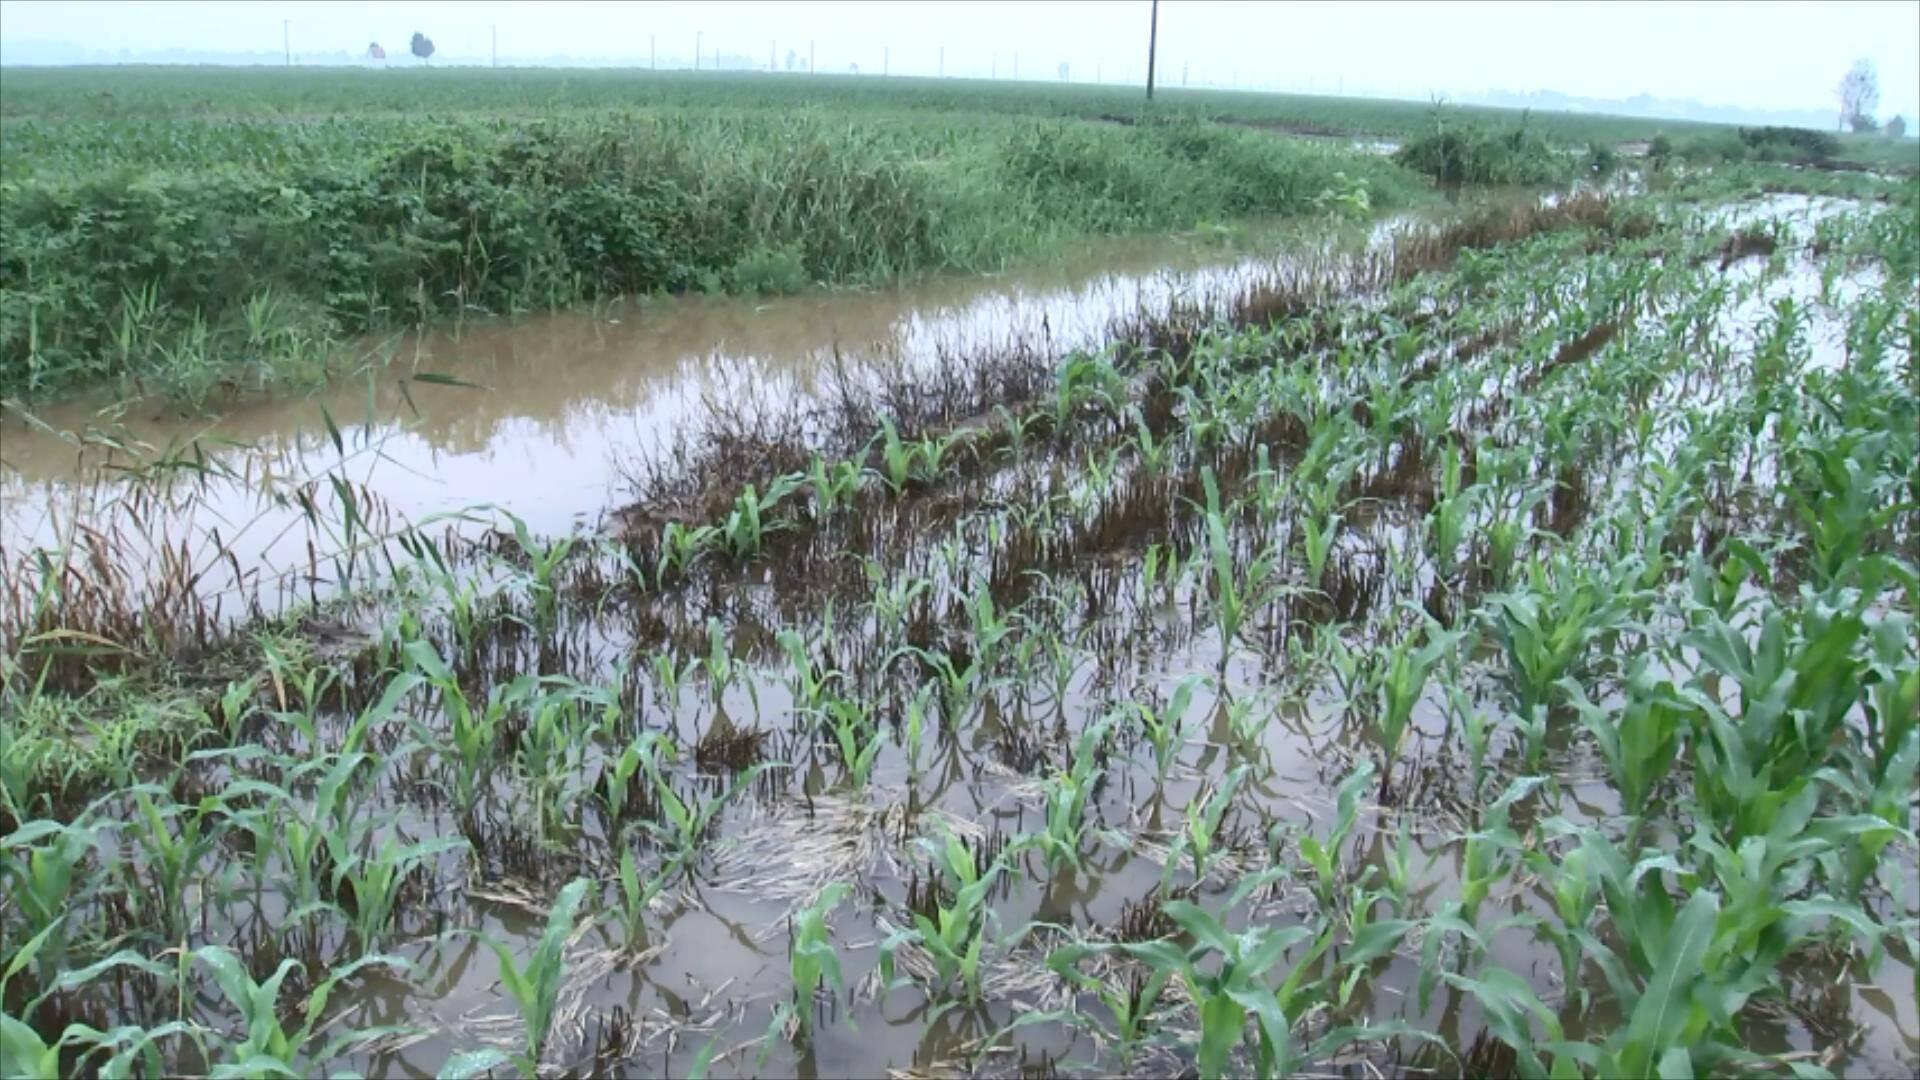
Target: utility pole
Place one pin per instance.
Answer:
(773, 50)
(1153, 43)
(996, 65)
(1016, 64)
(1183, 72)
(696, 50)
(1097, 66)
(810, 69)
(886, 57)
(943, 62)
(286, 39)
(495, 28)
(653, 54)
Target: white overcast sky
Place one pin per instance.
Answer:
(1762, 55)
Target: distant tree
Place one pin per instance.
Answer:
(422, 45)
(1063, 71)
(1859, 93)
(375, 52)
(793, 59)
(1896, 128)
(1864, 125)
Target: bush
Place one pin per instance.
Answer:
(1465, 154)
(1713, 149)
(1789, 144)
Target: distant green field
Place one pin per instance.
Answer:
(98, 93)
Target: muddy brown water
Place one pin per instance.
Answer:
(563, 401)
(564, 398)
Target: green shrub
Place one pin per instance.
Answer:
(1789, 144)
(1457, 153)
(768, 270)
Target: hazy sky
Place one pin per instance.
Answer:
(1760, 55)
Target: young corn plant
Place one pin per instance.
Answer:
(1324, 858)
(1226, 977)
(617, 776)
(1067, 792)
(1154, 455)
(376, 879)
(812, 961)
(918, 708)
(473, 733)
(269, 1048)
(833, 486)
(956, 935)
(1401, 682)
(1447, 521)
(1129, 1005)
(175, 857)
(1086, 380)
(893, 598)
(543, 566)
(1165, 726)
(681, 546)
(858, 737)
(1199, 839)
(1491, 854)
(671, 679)
(1641, 740)
(900, 460)
(41, 861)
(1548, 629)
(318, 837)
(744, 531)
(636, 894)
(809, 686)
(534, 987)
(723, 670)
(1234, 598)
(687, 821)
(960, 687)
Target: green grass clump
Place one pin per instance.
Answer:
(1455, 154)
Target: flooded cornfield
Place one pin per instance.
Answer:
(1480, 647)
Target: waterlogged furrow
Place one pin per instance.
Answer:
(1510, 672)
